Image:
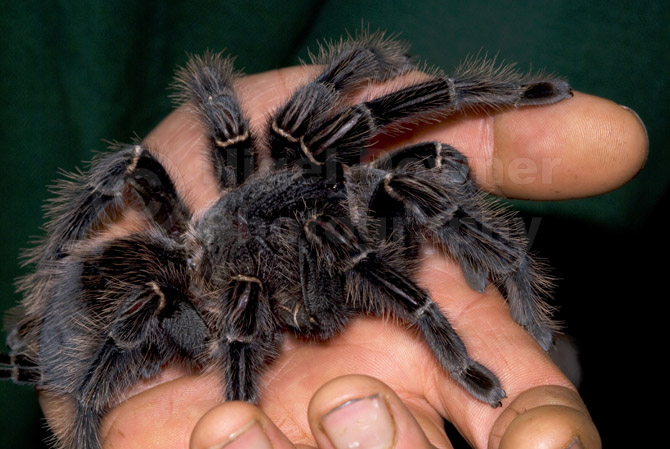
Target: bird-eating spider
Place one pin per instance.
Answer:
(303, 237)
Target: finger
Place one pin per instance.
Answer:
(360, 411)
(139, 416)
(185, 412)
(163, 415)
(237, 425)
(548, 417)
(494, 339)
(175, 411)
(578, 147)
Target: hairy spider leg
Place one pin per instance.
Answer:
(478, 86)
(85, 202)
(84, 205)
(315, 134)
(134, 295)
(439, 196)
(409, 302)
(348, 65)
(448, 161)
(324, 313)
(207, 82)
(357, 60)
(19, 369)
(248, 340)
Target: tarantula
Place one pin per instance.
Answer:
(304, 244)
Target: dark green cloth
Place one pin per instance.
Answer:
(77, 74)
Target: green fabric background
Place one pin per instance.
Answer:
(76, 74)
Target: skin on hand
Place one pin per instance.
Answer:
(579, 147)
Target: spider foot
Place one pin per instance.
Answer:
(481, 383)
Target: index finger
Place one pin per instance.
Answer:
(578, 147)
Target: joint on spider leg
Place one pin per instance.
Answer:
(447, 160)
(88, 202)
(318, 130)
(248, 337)
(452, 354)
(295, 117)
(453, 164)
(337, 234)
(348, 130)
(136, 152)
(418, 313)
(285, 148)
(367, 56)
(439, 158)
(108, 173)
(20, 369)
(424, 198)
(157, 193)
(234, 160)
(232, 146)
(308, 153)
(331, 171)
(317, 162)
(423, 101)
(207, 81)
(231, 141)
(159, 293)
(246, 293)
(282, 132)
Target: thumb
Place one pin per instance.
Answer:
(360, 411)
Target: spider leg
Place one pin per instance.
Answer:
(409, 302)
(430, 183)
(19, 369)
(349, 64)
(385, 214)
(207, 81)
(118, 314)
(134, 348)
(343, 134)
(357, 60)
(490, 245)
(479, 84)
(450, 162)
(249, 338)
(322, 312)
(86, 201)
(84, 205)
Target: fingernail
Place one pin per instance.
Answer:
(360, 423)
(637, 116)
(250, 436)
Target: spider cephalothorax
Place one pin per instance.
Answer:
(303, 244)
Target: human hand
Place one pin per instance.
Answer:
(579, 147)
